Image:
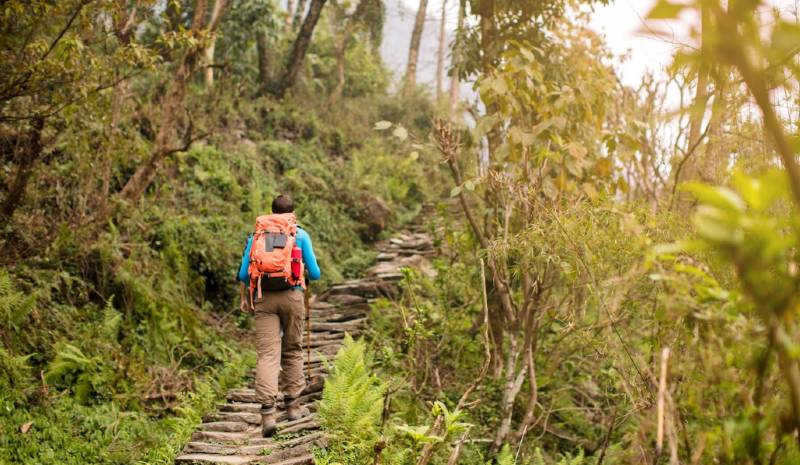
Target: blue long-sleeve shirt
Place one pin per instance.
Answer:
(303, 242)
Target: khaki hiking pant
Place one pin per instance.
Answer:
(279, 311)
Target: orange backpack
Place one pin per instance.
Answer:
(275, 260)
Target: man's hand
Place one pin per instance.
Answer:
(244, 305)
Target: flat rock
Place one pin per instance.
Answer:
(227, 426)
(347, 299)
(221, 459)
(249, 407)
(224, 437)
(245, 417)
(223, 449)
(305, 459)
(391, 277)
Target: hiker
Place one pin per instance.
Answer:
(272, 269)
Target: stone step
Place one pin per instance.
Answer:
(201, 459)
(224, 437)
(346, 326)
(305, 459)
(226, 426)
(196, 447)
(245, 417)
(248, 407)
(346, 300)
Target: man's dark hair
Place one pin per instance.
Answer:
(283, 204)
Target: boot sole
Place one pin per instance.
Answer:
(269, 432)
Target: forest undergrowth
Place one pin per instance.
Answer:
(616, 281)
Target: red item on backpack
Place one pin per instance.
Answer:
(275, 260)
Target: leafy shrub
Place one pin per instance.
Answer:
(351, 406)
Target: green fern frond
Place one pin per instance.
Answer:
(505, 456)
(352, 402)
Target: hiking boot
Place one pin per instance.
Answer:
(268, 424)
(294, 410)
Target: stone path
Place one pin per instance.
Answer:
(231, 434)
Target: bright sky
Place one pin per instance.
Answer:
(622, 24)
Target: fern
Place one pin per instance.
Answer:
(71, 368)
(15, 376)
(112, 320)
(505, 456)
(351, 406)
(565, 459)
(15, 306)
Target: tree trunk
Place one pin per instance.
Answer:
(171, 104)
(299, 49)
(298, 14)
(455, 83)
(287, 27)
(341, 54)
(209, 51)
(488, 25)
(26, 151)
(413, 49)
(263, 61)
(440, 52)
(209, 61)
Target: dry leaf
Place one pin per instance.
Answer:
(25, 427)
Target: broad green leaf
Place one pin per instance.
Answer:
(720, 196)
(414, 155)
(400, 132)
(711, 225)
(455, 191)
(382, 125)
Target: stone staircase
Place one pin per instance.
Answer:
(231, 434)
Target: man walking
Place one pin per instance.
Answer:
(273, 265)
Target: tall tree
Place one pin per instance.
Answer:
(287, 27)
(298, 13)
(172, 101)
(440, 52)
(209, 51)
(414, 46)
(262, 55)
(55, 58)
(367, 16)
(299, 49)
(455, 81)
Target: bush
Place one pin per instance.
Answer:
(351, 406)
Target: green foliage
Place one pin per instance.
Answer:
(506, 456)
(351, 406)
(15, 306)
(116, 318)
(565, 459)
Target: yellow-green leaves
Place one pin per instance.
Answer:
(718, 218)
(399, 131)
(665, 9)
(720, 197)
